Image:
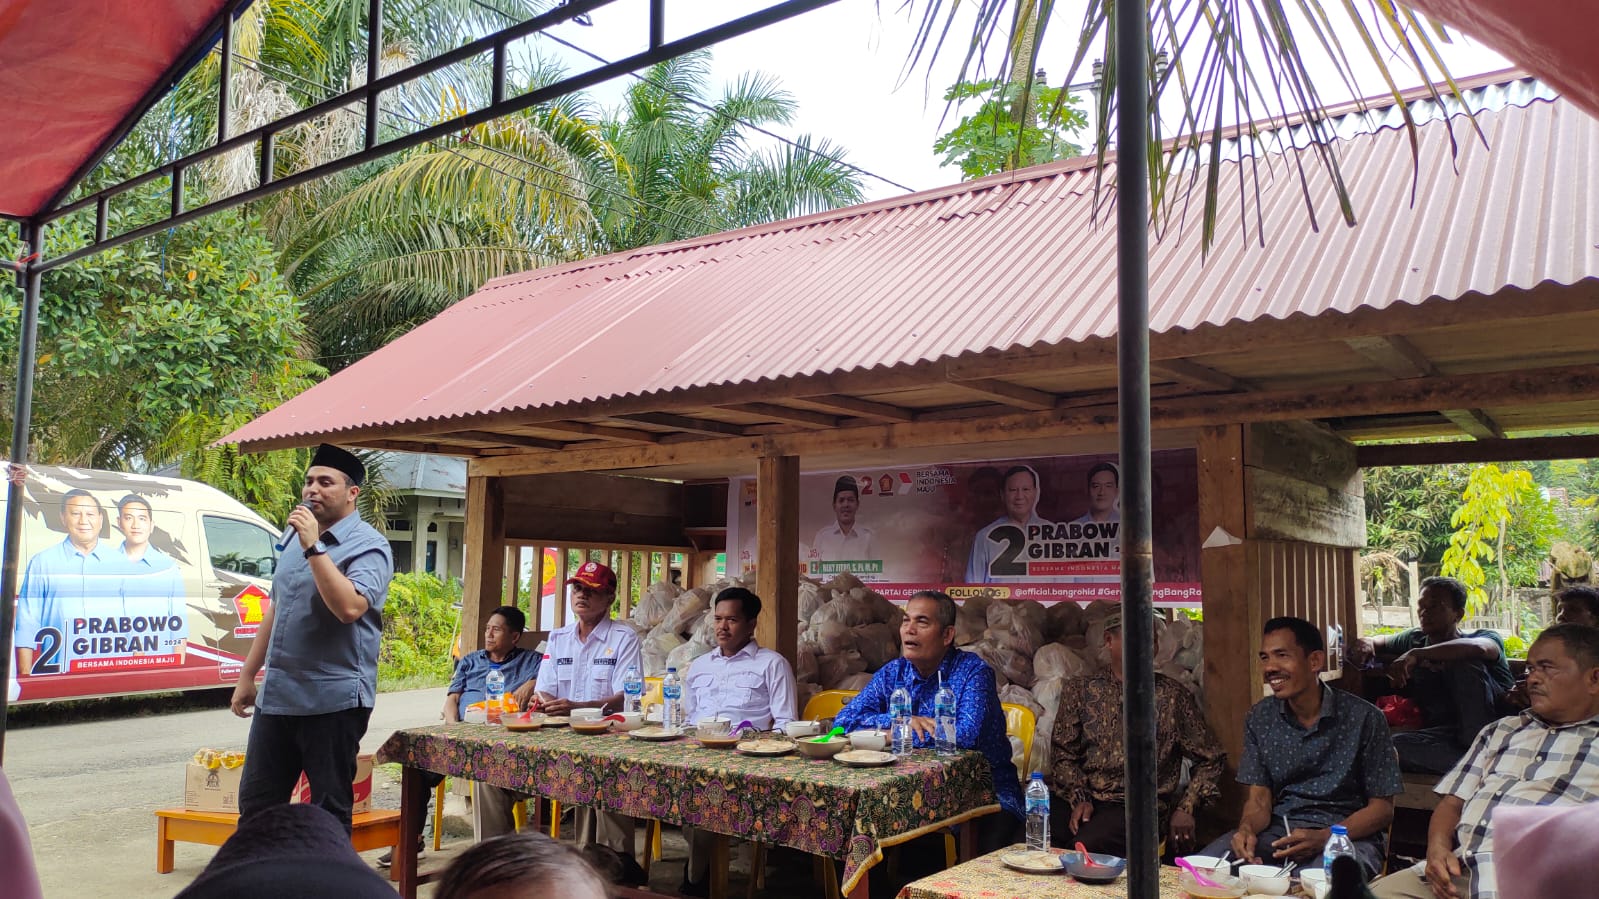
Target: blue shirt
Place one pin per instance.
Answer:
(316, 663)
(62, 584)
(1321, 775)
(519, 667)
(979, 720)
(151, 584)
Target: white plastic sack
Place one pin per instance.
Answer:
(854, 682)
(805, 665)
(970, 624)
(810, 599)
(655, 648)
(1016, 667)
(833, 668)
(1017, 696)
(686, 610)
(833, 637)
(655, 604)
(1055, 660)
(1063, 619)
(680, 657)
(878, 644)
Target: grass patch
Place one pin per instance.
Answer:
(397, 683)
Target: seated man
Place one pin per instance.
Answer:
(1548, 755)
(1457, 678)
(1313, 757)
(1578, 605)
(927, 639)
(739, 680)
(583, 666)
(1089, 759)
(491, 805)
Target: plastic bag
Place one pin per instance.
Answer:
(832, 668)
(1055, 660)
(805, 665)
(680, 657)
(686, 610)
(1005, 660)
(655, 604)
(1063, 619)
(970, 624)
(878, 644)
(655, 649)
(1015, 695)
(854, 682)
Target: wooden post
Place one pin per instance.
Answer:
(485, 558)
(513, 575)
(560, 586)
(1232, 607)
(535, 599)
(777, 553)
(624, 579)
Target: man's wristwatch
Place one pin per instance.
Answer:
(316, 549)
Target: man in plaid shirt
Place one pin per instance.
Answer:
(1547, 755)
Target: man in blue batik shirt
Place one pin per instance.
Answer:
(927, 638)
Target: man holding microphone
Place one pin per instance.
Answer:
(319, 641)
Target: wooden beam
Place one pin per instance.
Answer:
(1523, 449)
(495, 439)
(685, 423)
(1394, 355)
(1008, 393)
(560, 586)
(777, 553)
(1475, 422)
(1549, 385)
(775, 412)
(621, 435)
(1193, 373)
(416, 446)
(860, 407)
(484, 546)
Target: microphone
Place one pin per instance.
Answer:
(289, 533)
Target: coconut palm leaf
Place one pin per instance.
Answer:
(1243, 61)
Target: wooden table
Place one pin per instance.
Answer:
(816, 806)
(368, 830)
(985, 877)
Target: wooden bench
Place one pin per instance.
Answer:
(1417, 792)
(369, 830)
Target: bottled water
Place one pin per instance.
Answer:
(1337, 844)
(944, 720)
(493, 693)
(633, 688)
(671, 698)
(1037, 813)
(899, 708)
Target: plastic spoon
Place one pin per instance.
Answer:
(1087, 859)
(835, 732)
(1199, 878)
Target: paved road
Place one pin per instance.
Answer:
(88, 790)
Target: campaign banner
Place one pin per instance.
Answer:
(1046, 529)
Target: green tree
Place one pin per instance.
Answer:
(1408, 509)
(1481, 524)
(994, 139)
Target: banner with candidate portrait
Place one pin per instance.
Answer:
(1046, 529)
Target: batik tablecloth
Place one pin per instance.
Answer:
(816, 806)
(986, 878)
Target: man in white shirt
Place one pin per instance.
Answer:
(998, 555)
(739, 680)
(844, 540)
(582, 668)
(1104, 491)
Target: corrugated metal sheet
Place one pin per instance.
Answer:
(1009, 261)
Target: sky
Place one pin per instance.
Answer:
(846, 66)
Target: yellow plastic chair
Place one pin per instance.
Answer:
(828, 703)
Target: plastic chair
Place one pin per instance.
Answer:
(828, 703)
(1021, 723)
(438, 815)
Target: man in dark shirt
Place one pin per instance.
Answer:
(1458, 678)
(1313, 757)
(1088, 764)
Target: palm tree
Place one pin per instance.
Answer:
(691, 166)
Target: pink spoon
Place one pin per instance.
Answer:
(1199, 878)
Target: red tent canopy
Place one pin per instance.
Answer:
(1552, 39)
(76, 75)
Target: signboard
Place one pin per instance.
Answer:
(1044, 529)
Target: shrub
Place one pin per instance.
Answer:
(419, 620)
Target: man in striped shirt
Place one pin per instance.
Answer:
(1547, 755)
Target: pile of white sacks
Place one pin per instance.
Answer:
(847, 632)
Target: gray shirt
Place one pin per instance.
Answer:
(316, 663)
(1322, 775)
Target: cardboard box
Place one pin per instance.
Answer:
(211, 789)
(363, 787)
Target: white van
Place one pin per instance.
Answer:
(134, 584)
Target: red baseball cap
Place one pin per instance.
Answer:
(594, 576)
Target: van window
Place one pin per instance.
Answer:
(239, 547)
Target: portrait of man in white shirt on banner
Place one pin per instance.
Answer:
(845, 540)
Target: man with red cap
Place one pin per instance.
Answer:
(583, 666)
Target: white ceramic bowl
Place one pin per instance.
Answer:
(713, 727)
(869, 739)
(475, 716)
(797, 729)
(630, 721)
(1314, 882)
(586, 714)
(1209, 864)
(1265, 879)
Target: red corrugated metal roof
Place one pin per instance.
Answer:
(1008, 261)
(71, 72)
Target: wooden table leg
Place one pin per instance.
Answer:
(412, 797)
(966, 841)
(163, 847)
(719, 865)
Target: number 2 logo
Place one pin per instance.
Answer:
(1005, 564)
(49, 659)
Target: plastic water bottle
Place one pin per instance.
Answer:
(494, 693)
(899, 708)
(1037, 813)
(671, 698)
(1337, 844)
(633, 687)
(944, 720)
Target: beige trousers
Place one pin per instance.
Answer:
(605, 828)
(1407, 884)
(492, 811)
